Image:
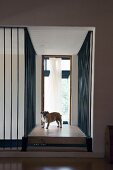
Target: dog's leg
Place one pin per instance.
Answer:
(61, 123)
(47, 125)
(43, 125)
(57, 123)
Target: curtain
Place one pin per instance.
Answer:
(84, 89)
(30, 86)
(53, 91)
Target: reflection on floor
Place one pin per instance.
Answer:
(54, 164)
(65, 136)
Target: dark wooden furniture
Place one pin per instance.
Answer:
(109, 143)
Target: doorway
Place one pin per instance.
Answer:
(56, 85)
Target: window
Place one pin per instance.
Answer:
(61, 98)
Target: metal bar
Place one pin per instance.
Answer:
(90, 85)
(4, 85)
(11, 92)
(24, 83)
(17, 81)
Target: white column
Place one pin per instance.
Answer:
(38, 88)
(74, 93)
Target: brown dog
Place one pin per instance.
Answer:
(50, 117)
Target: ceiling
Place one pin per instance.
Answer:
(57, 40)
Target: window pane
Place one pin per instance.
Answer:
(65, 64)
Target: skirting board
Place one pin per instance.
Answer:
(52, 154)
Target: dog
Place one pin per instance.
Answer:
(47, 117)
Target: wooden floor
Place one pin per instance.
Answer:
(67, 135)
(54, 164)
(54, 131)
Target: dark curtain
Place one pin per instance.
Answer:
(30, 85)
(84, 89)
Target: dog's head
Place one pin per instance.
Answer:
(44, 113)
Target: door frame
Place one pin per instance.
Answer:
(42, 80)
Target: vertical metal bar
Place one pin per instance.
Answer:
(90, 85)
(17, 81)
(25, 89)
(4, 87)
(11, 93)
(70, 89)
